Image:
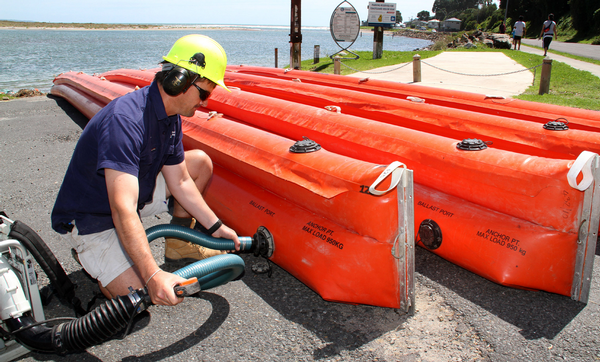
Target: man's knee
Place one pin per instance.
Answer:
(120, 285)
(198, 163)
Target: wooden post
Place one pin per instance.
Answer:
(317, 56)
(295, 36)
(377, 42)
(276, 58)
(416, 68)
(378, 39)
(336, 65)
(545, 78)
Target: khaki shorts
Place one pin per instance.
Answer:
(102, 254)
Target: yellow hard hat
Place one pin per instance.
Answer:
(201, 55)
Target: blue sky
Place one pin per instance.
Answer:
(251, 12)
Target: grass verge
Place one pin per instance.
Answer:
(568, 86)
(366, 61)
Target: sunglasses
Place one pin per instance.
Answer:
(204, 94)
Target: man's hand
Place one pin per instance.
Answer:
(160, 288)
(226, 233)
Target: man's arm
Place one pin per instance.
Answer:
(123, 192)
(182, 187)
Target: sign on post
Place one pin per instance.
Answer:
(382, 14)
(344, 26)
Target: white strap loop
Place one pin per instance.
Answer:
(335, 109)
(582, 164)
(415, 99)
(213, 114)
(395, 168)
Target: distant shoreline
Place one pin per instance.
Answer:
(140, 29)
(24, 25)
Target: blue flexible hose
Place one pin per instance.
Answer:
(214, 271)
(211, 272)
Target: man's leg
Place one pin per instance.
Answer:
(200, 169)
(120, 285)
(104, 259)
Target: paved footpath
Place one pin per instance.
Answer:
(478, 72)
(459, 315)
(584, 50)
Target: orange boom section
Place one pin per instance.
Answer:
(532, 194)
(340, 265)
(329, 230)
(321, 181)
(528, 187)
(85, 104)
(486, 104)
(503, 133)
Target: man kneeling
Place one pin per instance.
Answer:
(128, 162)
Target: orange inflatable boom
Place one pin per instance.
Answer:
(517, 219)
(343, 227)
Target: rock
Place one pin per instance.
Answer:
(28, 93)
(489, 43)
(501, 41)
(410, 33)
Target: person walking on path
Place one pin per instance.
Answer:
(502, 29)
(520, 30)
(129, 163)
(548, 31)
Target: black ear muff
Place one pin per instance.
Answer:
(177, 81)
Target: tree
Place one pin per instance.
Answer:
(452, 7)
(423, 15)
(398, 17)
(441, 14)
(535, 12)
(585, 14)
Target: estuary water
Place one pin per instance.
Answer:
(31, 58)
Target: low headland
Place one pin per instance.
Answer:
(7, 24)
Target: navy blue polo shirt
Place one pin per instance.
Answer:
(131, 134)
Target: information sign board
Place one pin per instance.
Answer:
(345, 24)
(382, 14)
(344, 27)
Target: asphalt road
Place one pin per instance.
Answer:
(459, 316)
(582, 50)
